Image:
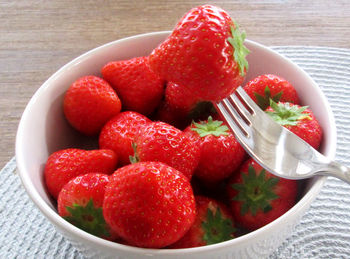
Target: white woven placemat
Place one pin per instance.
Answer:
(324, 231)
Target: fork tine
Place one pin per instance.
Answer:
(233, 119)
(251, 106)
(240, 109)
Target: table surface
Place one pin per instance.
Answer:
(38, 37)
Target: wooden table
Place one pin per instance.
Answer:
(38, 37)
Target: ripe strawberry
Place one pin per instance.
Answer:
(257, 197)
(204, 53)
(299, 120)
(159, 141)
(267, 86)
(149, 204)
(220, 152)
(180, 107)
(184, 102)
(213, 224)
(119, 133)
(89, 103)
(63, 165)
(138, 87)
(80, 202)
(170, 115)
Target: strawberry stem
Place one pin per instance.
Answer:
(263, 101)
(256, 191)
(135, 158)
(287, 113)
(240, 51)
(217, 228)
(88, 218)
(212, 127)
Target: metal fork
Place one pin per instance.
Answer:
(274, 147)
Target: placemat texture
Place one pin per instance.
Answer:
(324, 231)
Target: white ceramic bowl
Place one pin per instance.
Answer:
(43, 130)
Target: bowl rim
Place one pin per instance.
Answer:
(58, 221)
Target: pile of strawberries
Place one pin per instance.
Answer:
(168, 173)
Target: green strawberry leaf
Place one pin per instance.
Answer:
(240, 51)
(287, 114)
(267, 208)
(135, 158)
(88, 218)
(217, 228)
(263, 101)
(212, 127)
(255, 192)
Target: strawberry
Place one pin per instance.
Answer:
(149, 204)
(119, 133)
(172, 116)
(180, 107)
(89, 103)
(80, 202)
(268, 86)
(257, 197)
(159, 141)
(213, 224)
(189, 106)
(65, 164)
(299, 120)
(204, 53)
(220, 152)
(138, 87)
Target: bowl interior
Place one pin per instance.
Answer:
(43, 129)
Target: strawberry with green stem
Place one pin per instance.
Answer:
(120, 132)
(205, 53)
(268, 86)
(159, 141)
(298, 119)
(80, 202)
(220, 152)
(257, 197)
(213, 224)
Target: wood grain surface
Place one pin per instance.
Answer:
(38, 37)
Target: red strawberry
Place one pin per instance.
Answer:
(170, 115)
(267, 86)
(189, 106)
(220, 152)
(63, 165)
(258, 197)
(299, 120)
(159, 141)
(204, 53)
(80, 202)
(138, 87)
(149, 204)
(213, 224)
(89, 103)
(180, 107)
(119, 133)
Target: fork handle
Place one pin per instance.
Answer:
(338, 170)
